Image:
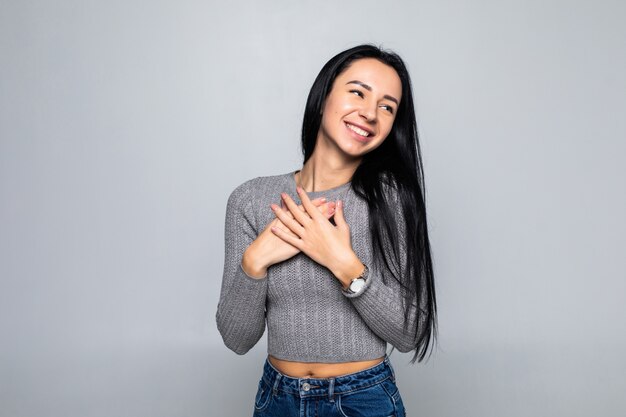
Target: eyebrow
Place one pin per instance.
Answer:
(368, 88)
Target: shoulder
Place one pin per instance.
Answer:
(242, 191)
(258, 189)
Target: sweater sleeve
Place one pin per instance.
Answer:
(241, 308)
(380, 302)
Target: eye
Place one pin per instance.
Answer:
(357, 93)
(388, 108)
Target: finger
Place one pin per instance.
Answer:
(282, 205)
(318, 202)
(330, 209)
(287, 220)
(340, 220)
(294, 241)
(300, 215)
(280, 225)
(306, 202)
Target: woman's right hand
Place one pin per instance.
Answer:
(268, 249)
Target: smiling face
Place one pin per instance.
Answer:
(359, 111)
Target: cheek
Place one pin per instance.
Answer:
(329, 103)
(335, 106)
(388, 127)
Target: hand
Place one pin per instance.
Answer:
(268, 249)
(310, 232)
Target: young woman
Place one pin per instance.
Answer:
(335, 257)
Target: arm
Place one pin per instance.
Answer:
(241, 309)
(381, 307)
(380, 302)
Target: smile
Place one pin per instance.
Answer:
(357, 130)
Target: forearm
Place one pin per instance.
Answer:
(382, 309)
(241, 312)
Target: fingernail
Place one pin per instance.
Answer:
(323, 199)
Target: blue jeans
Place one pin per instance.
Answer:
(368, 393)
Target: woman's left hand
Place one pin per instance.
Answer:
(316, 236)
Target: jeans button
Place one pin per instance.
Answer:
(306, 386)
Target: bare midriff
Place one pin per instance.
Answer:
(321, 369)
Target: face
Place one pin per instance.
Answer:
(359, 111)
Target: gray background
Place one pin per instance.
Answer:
(124, 126)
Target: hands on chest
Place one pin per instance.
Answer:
(312, 233)
(305, 228)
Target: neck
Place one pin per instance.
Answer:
(324, 173)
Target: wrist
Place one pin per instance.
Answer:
(349, 270)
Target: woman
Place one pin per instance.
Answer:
(335, 279)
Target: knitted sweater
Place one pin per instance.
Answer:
(309, 317)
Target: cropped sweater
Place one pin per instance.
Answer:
(309, 317)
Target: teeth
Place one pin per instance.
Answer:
(357, 130)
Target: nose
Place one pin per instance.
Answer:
(368, 111)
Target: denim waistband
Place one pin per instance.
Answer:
(314, 387)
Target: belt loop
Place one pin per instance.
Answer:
(276, 381)
(393, 374)
(331, 390)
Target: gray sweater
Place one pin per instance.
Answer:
(308, 315)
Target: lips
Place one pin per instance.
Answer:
(358, 129)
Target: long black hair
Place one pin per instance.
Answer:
(396, 163)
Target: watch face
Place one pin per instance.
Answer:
(357, 284)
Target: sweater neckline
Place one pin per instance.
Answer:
(322, 193)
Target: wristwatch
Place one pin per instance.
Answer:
(358, 283)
